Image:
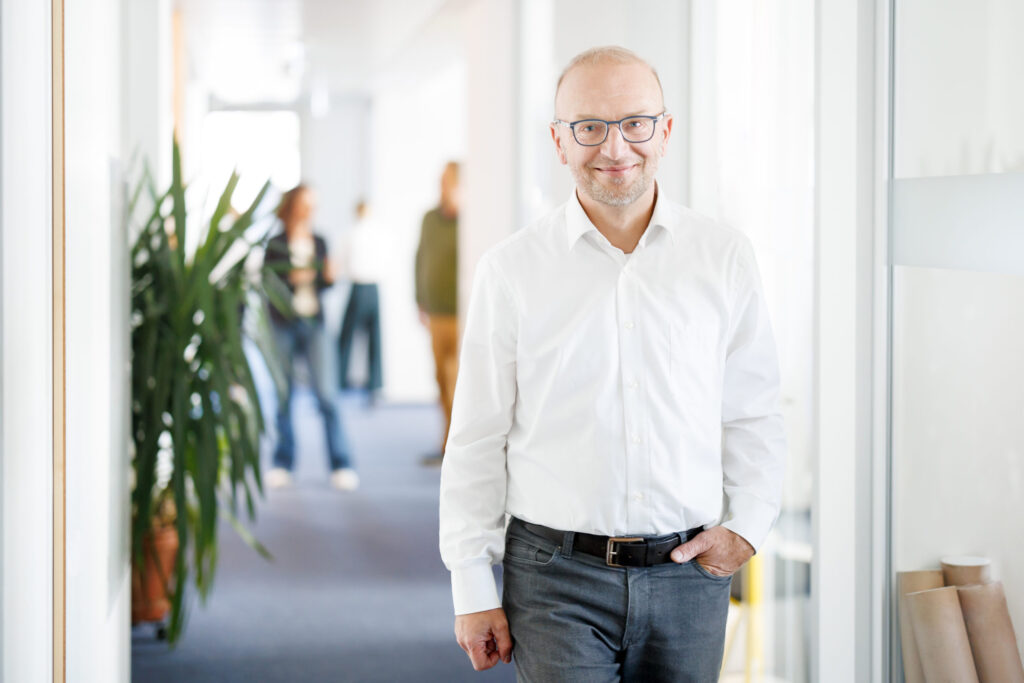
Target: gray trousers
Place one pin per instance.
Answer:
(573, 618)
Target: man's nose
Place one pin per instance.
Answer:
(614, 143)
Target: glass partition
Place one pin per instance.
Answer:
(957, 245)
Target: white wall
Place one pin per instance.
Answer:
(419, 124)
(336, 162)
(491, 208)
(98, 576)
(26, 447)
(147, 115)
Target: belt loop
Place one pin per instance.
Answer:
(567, 542)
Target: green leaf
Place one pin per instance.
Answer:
(245, 534)
(178, 195)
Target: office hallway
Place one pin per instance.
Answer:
(356, 591)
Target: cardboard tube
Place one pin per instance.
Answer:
(991, 633)
(911, 582)
(964, 570)
(941, 636)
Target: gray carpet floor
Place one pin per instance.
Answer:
(356, 590)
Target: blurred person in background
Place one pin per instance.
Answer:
(618, 401)
(299, 257)
(437, 292)
(361, 260)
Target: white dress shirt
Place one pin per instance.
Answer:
(611, 393)
(363, 252)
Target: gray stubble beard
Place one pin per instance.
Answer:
(599, 193)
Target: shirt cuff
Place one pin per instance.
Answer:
(751, 518)
(474, 589)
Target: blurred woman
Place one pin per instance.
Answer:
(299, 257)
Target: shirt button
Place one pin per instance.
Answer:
(636, 438)
(629, 325)
(638, 496)
(632, 384)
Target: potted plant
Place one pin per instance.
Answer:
(196, 418)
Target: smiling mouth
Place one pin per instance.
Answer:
(616, 170)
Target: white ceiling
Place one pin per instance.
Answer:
(251, 51)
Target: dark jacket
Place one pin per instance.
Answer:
(278, 260)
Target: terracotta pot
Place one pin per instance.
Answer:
(151, 585)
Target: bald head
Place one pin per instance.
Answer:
(601, 56)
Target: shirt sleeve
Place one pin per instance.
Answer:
(473, 474)
(753, 437)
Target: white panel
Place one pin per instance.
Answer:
(967, 222)
(96, 297)
(845, 181)
(26, 446)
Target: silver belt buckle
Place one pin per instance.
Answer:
(611, 551)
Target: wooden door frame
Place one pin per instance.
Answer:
(58, 375)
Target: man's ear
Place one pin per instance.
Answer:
(558, 144)
(667, 128)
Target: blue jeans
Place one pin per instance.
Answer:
(303, 338)
(362, 313)
(573, 618)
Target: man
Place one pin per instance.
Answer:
(436, 292)
(618, 400)
(363, 258)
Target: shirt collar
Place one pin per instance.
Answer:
(577, 224)
(661, 218)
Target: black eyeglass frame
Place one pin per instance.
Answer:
(571, 125)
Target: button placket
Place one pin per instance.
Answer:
(633, 400)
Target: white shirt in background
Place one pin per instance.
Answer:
(363, 252)
(609, 393)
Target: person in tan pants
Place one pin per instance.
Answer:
(436, 291)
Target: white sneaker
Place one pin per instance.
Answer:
(345, 479)
(277, 478)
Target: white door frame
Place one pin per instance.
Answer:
(850, 593)
(31, 341)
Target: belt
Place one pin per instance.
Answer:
(620, 551)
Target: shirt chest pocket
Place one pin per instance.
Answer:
(695, 362)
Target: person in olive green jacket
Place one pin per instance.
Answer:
(436, 291)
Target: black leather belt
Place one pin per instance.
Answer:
(620, 551)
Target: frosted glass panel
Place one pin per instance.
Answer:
(957, 330)
(958, 423)
(968, 222)
(959, 104)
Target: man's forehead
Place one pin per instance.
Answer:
(590, 88)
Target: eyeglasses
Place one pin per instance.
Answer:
(593, 132)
